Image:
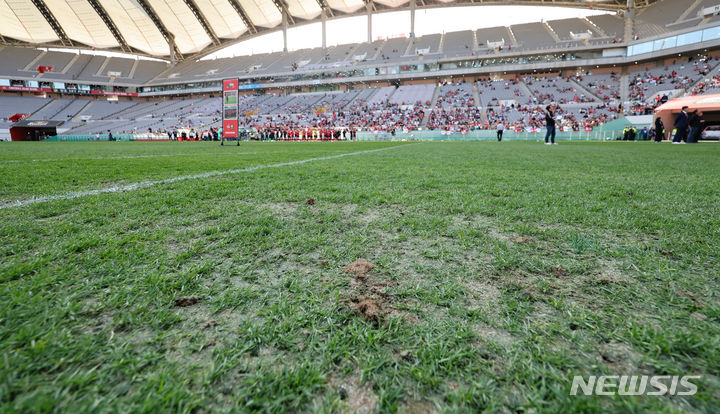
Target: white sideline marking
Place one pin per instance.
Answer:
(143, 184)
(124, 157)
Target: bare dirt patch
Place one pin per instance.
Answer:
(368, 297)
(698, 303)
(185, 302)
(282, 210)
(497, 336)
(620, 356)
(559, 272)
(487, 224)
(368, 308)
(358, 397)
(609, 273)
(360, 268)
(417, 407)
(482, 295)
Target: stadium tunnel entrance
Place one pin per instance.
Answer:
(34, 130)
(709, 105)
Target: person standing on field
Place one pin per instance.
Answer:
(659, 130)
(550, 125)
(500, 129)
(696, 126)
(681, 123)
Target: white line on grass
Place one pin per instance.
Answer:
(143, 184)
(124, 157)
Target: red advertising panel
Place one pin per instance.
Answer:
(230, 108)
(24, 89)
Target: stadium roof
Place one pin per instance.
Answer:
(196, 26)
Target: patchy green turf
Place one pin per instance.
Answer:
(501, 271)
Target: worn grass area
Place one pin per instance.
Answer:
(496, 272)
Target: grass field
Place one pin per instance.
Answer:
(500, 272)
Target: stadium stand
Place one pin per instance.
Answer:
(393, 49)
(381, 95)
(458, 44)
(613, 26)
(532, 36)
(71, 110)
(413, 95)
(11, 105)
(338, 54)
(672, 80)
(22, 105)
(555, 89)
(605, 87)
(367, 51)
(56, 60)
(48, 111)
(99, 109)
(662, 16)
(455, 95)
(455, 109)
(493, 92)
(121, 66)
(91, 68)
(492, 34)
(565, 28)
(431, 43)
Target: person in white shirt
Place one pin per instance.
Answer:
(500, 129)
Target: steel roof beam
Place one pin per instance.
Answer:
(203, 21)
(243, 15)
(52, 21)
(324, 6)
(100, 10)
(169, 37)
(283, 7)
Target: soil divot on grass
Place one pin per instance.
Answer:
(360, 268)
(363, 304)
(559, 272)
(368, 308)
(368, 299)
(357, 397)
(185, 302)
